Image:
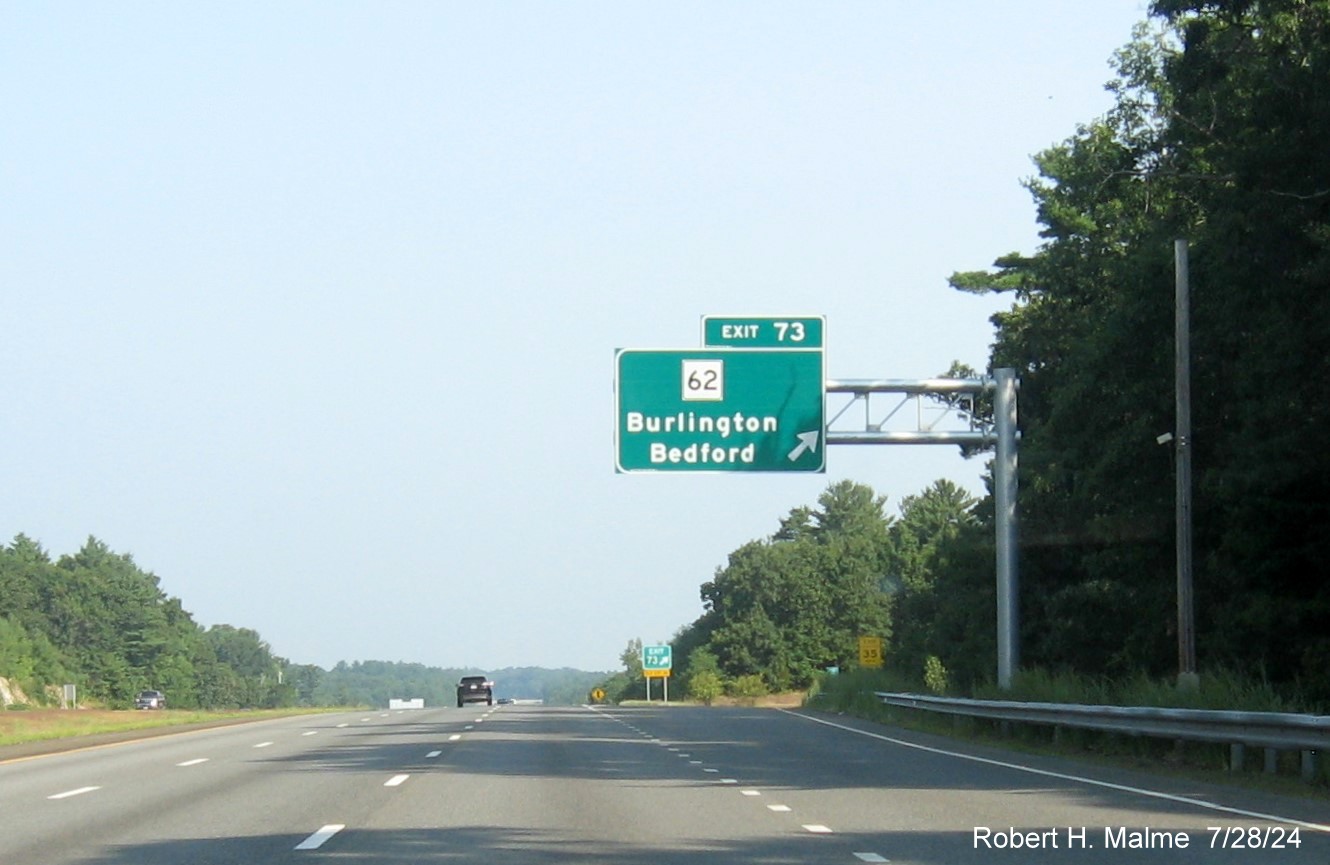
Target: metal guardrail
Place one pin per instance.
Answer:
(1272, 730)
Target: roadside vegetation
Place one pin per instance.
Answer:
(19, 727)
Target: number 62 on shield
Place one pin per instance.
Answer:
(703, 380)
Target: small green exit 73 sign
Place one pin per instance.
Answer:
(719, 410)
(750, 331)
(657, 657)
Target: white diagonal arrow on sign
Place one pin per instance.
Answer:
(807, 442)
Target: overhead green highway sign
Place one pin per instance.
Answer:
(719, 410)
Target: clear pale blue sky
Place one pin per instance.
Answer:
(311, 307)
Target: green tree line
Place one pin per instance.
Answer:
(96, 620)
(1218, 135)
(374, 683)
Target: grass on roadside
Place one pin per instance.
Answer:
(35, 725)
(1218, 689)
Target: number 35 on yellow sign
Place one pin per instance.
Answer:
(870, 652)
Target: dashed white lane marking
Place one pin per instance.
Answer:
(310, 733)
(779, 809)
(870, 857)
(729, 780)
(194, 762)
(319, 838)
(79, 792)
(343, 724)
(263, 745)
(396, 781)
(1062, 776)
(469, 727)
(817, 828)
(454, 737)
(751, 792)
(710, 770)
(695, 762)
(364, 720)
(433, 754)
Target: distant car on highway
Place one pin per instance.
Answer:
(475, 689)
(150, 700)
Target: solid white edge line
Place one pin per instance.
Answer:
(319, 838)
(1154, 794)
(79, 792)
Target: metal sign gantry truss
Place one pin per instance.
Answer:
(952, 403)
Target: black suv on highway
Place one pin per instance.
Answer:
(150, 700)
(475, 689)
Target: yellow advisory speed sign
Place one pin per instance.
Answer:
(870, 652)
(598, 695)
